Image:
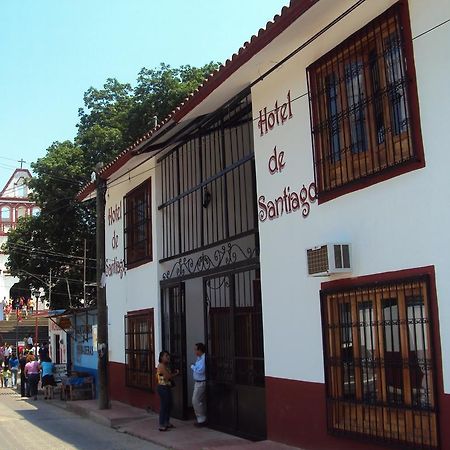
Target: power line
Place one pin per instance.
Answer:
(24, 246)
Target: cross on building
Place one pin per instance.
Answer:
(22, 162)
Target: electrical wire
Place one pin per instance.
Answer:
(24, 246)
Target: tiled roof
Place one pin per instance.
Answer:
(250, 48)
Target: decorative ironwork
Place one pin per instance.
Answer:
(235, 358)
(379, 363)
(362, 93)
(208, 184)
(226, 255)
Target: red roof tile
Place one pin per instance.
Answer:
(250, 48)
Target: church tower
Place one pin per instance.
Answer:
(14, 204)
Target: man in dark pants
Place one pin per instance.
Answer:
(22, 362)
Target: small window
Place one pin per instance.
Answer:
(379, 363)
(362, 96)
(138, 225)
(21, 211)
(5, 213)
(139, 349)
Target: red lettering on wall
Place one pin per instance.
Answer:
(276, 161)
(277, 116)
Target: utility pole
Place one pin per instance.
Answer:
(50, 290)
(84, 273)
(102, 312)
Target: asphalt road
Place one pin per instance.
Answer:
(37, 425)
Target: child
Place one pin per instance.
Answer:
(6, 375)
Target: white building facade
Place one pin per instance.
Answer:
(288, 215)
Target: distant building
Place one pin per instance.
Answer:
(14, 203)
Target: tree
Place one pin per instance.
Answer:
(111, 119)
(54, 239)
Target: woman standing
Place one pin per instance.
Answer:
(165, 383)
(32, 373)
(48, 380)
(14, 367)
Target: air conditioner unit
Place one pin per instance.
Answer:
(328, 259)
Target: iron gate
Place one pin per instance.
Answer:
(235, 358)
(173, 322)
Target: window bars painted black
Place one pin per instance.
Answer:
(208, 183)
(138, 225)
(361, 105)
(235, 358)
(379, 363)
(140, 350)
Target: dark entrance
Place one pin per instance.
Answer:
(235, 362)
(57, 349)
(173, 315)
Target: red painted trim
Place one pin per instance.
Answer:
(443, 399)
(296, 9)
(413, 103)
(383, 277)
(119, 391)
(363, 183)
(265, 36)
(87, 190)
(16, 200)
(138, 312)
(11, 178)
(296, 415)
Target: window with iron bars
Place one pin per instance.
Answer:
(140, 349)
(363, 105)
(379, 363)
(208, 183)
(138, 225)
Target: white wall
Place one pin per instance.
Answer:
(138, 288)
(397, 224)
(195, 324)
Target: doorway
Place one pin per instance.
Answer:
(235, 353)
(173, 321)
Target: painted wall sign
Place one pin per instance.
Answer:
(276, 116)
(290, 200)
(115, 213)
(287, 203)
(115, 266)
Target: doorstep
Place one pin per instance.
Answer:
(185, 436)
(119, 413)
(144, 425)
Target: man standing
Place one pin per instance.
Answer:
(199, 394)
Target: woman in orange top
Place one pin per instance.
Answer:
(165, 377)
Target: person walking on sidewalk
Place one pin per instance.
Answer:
(14, 367)
(199, 394)
(165, 383)
(23, 381)
(48, 380)
(32, 369)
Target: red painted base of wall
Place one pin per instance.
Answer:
(296, 415)
(132, 396)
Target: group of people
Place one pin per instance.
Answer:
(166, 381)
(9, 366)
(33, 364)
(20, 307)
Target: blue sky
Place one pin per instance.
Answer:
(53, 50)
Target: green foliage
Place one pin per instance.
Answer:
(111, 119)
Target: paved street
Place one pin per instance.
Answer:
(30, 425)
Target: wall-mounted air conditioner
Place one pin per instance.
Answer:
(328, 259)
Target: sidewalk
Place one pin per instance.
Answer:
(139, 423)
